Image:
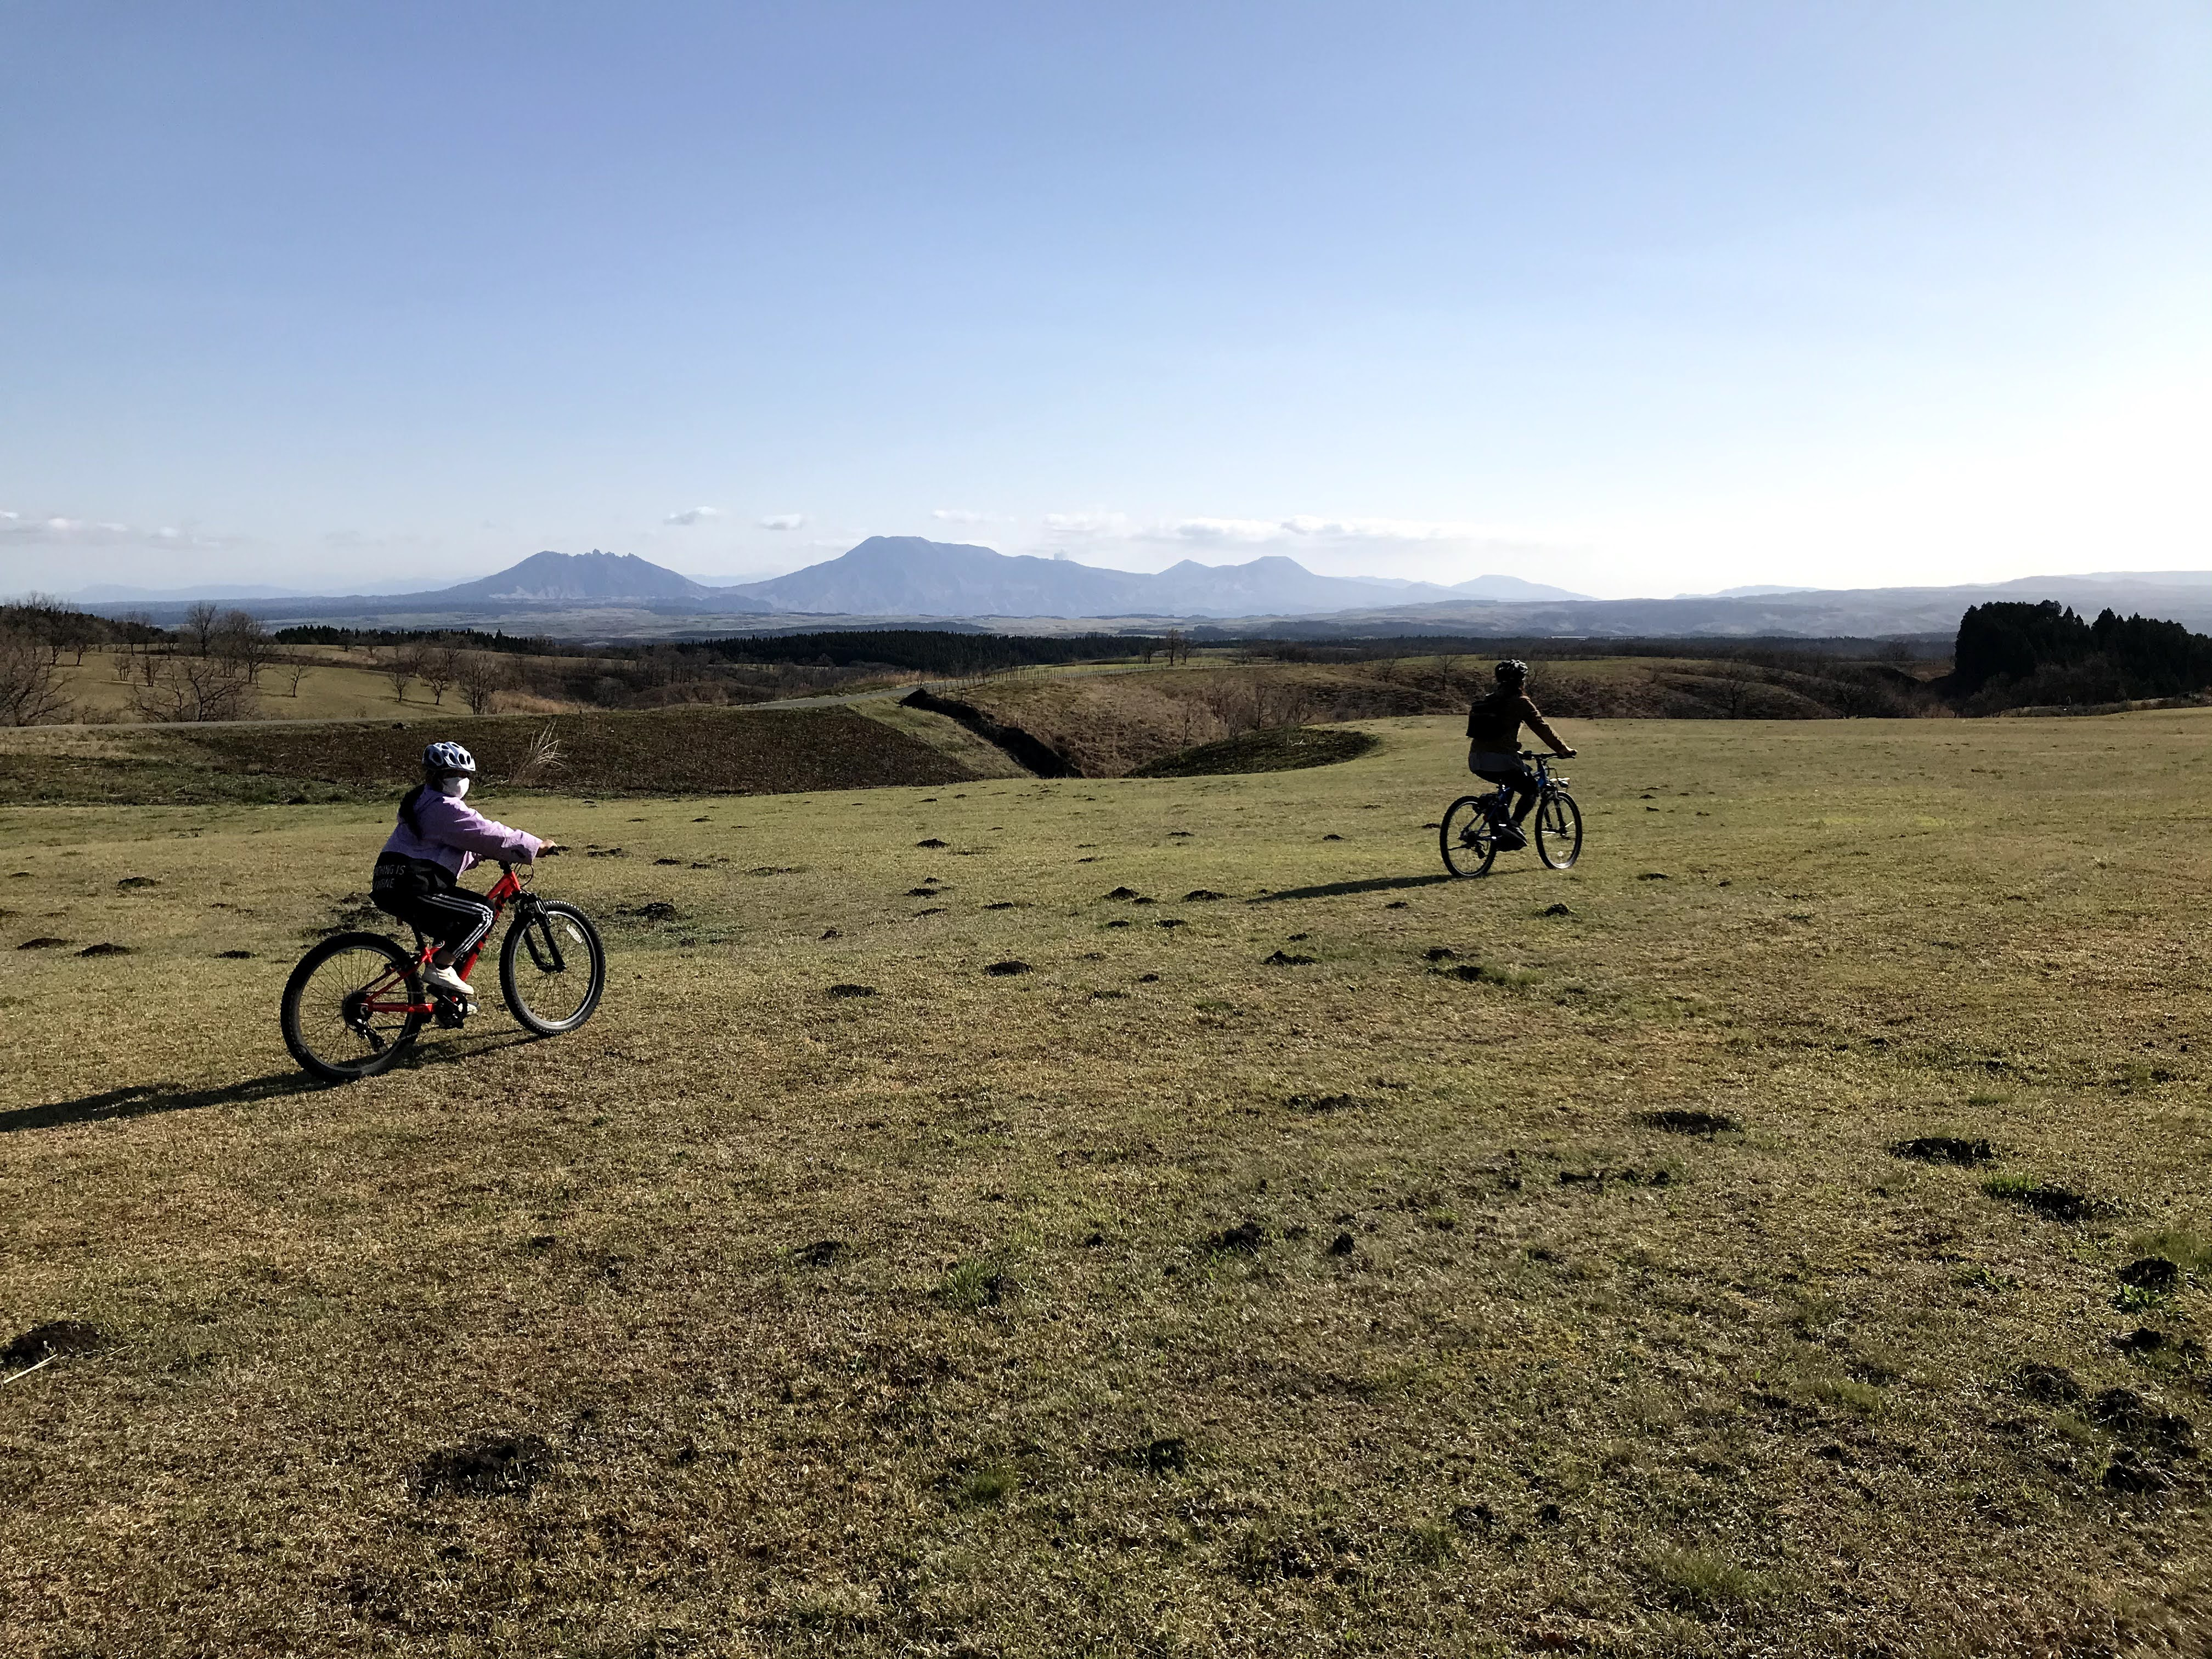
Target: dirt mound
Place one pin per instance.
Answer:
(1325, 1103)
(1006, 969)
(59, 1336)
(2058, 1203)
(1245, 1238)
(1681, 1121)
(488, 1466)
(852, 990)
(2154, 1274)
(2053, 1385)
(1943, 1149)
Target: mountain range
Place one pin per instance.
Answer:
(907, 579)
(906, 575)
(911, 576)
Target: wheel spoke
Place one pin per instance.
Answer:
(342, 1017)
(552, 970)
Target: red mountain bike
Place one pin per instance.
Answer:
(356, 1001)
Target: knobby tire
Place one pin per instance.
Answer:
(552, 933)
(1467, 838)
(1558, 830)
(314, 1018)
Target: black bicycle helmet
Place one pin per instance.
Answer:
(1512, 672)
(448, 760)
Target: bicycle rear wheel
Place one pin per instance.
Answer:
(347, 1009)
(1558, 829)
(1468, 838)
(552, 968)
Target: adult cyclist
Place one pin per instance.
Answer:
(417, 875)
(1494, 752)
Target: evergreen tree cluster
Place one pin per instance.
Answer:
(2015, 655)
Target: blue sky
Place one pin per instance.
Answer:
(1632, 298)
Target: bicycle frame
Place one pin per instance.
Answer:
(508, 888)
(1500, 800)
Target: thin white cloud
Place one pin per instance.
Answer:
(1095, 522)
(1442, 551)
(59, 529)
(693, 516)
(1307, 527)
(961, 515)
(784, 521)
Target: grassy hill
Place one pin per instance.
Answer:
(1110, 723)
(1732, 1246)
(665, 752)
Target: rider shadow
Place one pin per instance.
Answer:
(149, 1099)
(1332, 890)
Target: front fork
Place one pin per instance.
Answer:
(547, 958)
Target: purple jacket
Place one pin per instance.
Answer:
(455, 835)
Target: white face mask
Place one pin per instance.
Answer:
(458, 787)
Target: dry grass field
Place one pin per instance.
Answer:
(297, 763)
(1305, 1255)
(334, 685)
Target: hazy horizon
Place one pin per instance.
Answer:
(1629, 300)
(92, 593)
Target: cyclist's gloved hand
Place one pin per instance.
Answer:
(547, 849)
(1567, 754)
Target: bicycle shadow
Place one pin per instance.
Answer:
(1336, 889)
(152, 1099)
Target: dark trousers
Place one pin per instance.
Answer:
(1510, 773)
(426, 897)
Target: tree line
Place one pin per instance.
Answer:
(2011, 654)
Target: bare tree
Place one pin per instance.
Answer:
(399, 668)
(435, 667)
(184, 688)
(30, 685)
(240, 639)
(202, 621)
(297, 667)
(481, 675)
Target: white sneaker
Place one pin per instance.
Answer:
(445, 980)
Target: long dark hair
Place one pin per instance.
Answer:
(407, 804)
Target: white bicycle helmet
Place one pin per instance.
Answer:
(448, 760)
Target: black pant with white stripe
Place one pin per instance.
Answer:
(424, 895)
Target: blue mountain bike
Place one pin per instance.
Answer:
(1468, 835)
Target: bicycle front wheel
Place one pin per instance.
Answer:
(1468, 839)
(1558, 829)
(348, 1007)
(553, 969)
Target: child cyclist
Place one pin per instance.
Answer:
(1494, 752)
(437, 838)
